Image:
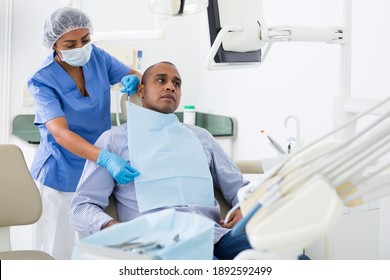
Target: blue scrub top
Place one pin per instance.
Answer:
(56, 95)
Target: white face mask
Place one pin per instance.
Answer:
(77, 57)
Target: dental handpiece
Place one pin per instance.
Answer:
(275, 144)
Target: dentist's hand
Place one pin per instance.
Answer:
(130, 84)
(118, 168)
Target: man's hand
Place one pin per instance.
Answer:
(233, 219)
(110, 223)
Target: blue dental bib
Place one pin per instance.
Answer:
(170, 158)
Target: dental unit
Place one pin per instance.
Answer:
(302, 198)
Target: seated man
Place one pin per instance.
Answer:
(160, 92)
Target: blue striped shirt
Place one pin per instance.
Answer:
(96, 185)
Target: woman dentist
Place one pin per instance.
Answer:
(71, 90)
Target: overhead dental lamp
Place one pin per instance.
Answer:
(239, 34)
(177, 7)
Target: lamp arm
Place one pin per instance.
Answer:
(331, 34)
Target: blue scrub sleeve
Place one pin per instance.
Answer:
(47, 103)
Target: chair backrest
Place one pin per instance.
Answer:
(134, 98)
(250, 166)
(20, 200)
(112, 209)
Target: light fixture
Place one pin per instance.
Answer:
(177, 7)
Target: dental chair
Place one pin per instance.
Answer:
(245, 166)
(20, 202)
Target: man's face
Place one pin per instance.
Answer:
(162, 89)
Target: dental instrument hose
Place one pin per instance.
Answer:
(269, 198)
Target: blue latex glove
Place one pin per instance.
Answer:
(118, 168)
(130, 84)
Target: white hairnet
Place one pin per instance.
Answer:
(62, 21)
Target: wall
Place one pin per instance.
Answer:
(296, 79)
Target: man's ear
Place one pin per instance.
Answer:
(140, 90)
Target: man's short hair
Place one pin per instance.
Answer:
(146, 73)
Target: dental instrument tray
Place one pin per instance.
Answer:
(167, 234)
